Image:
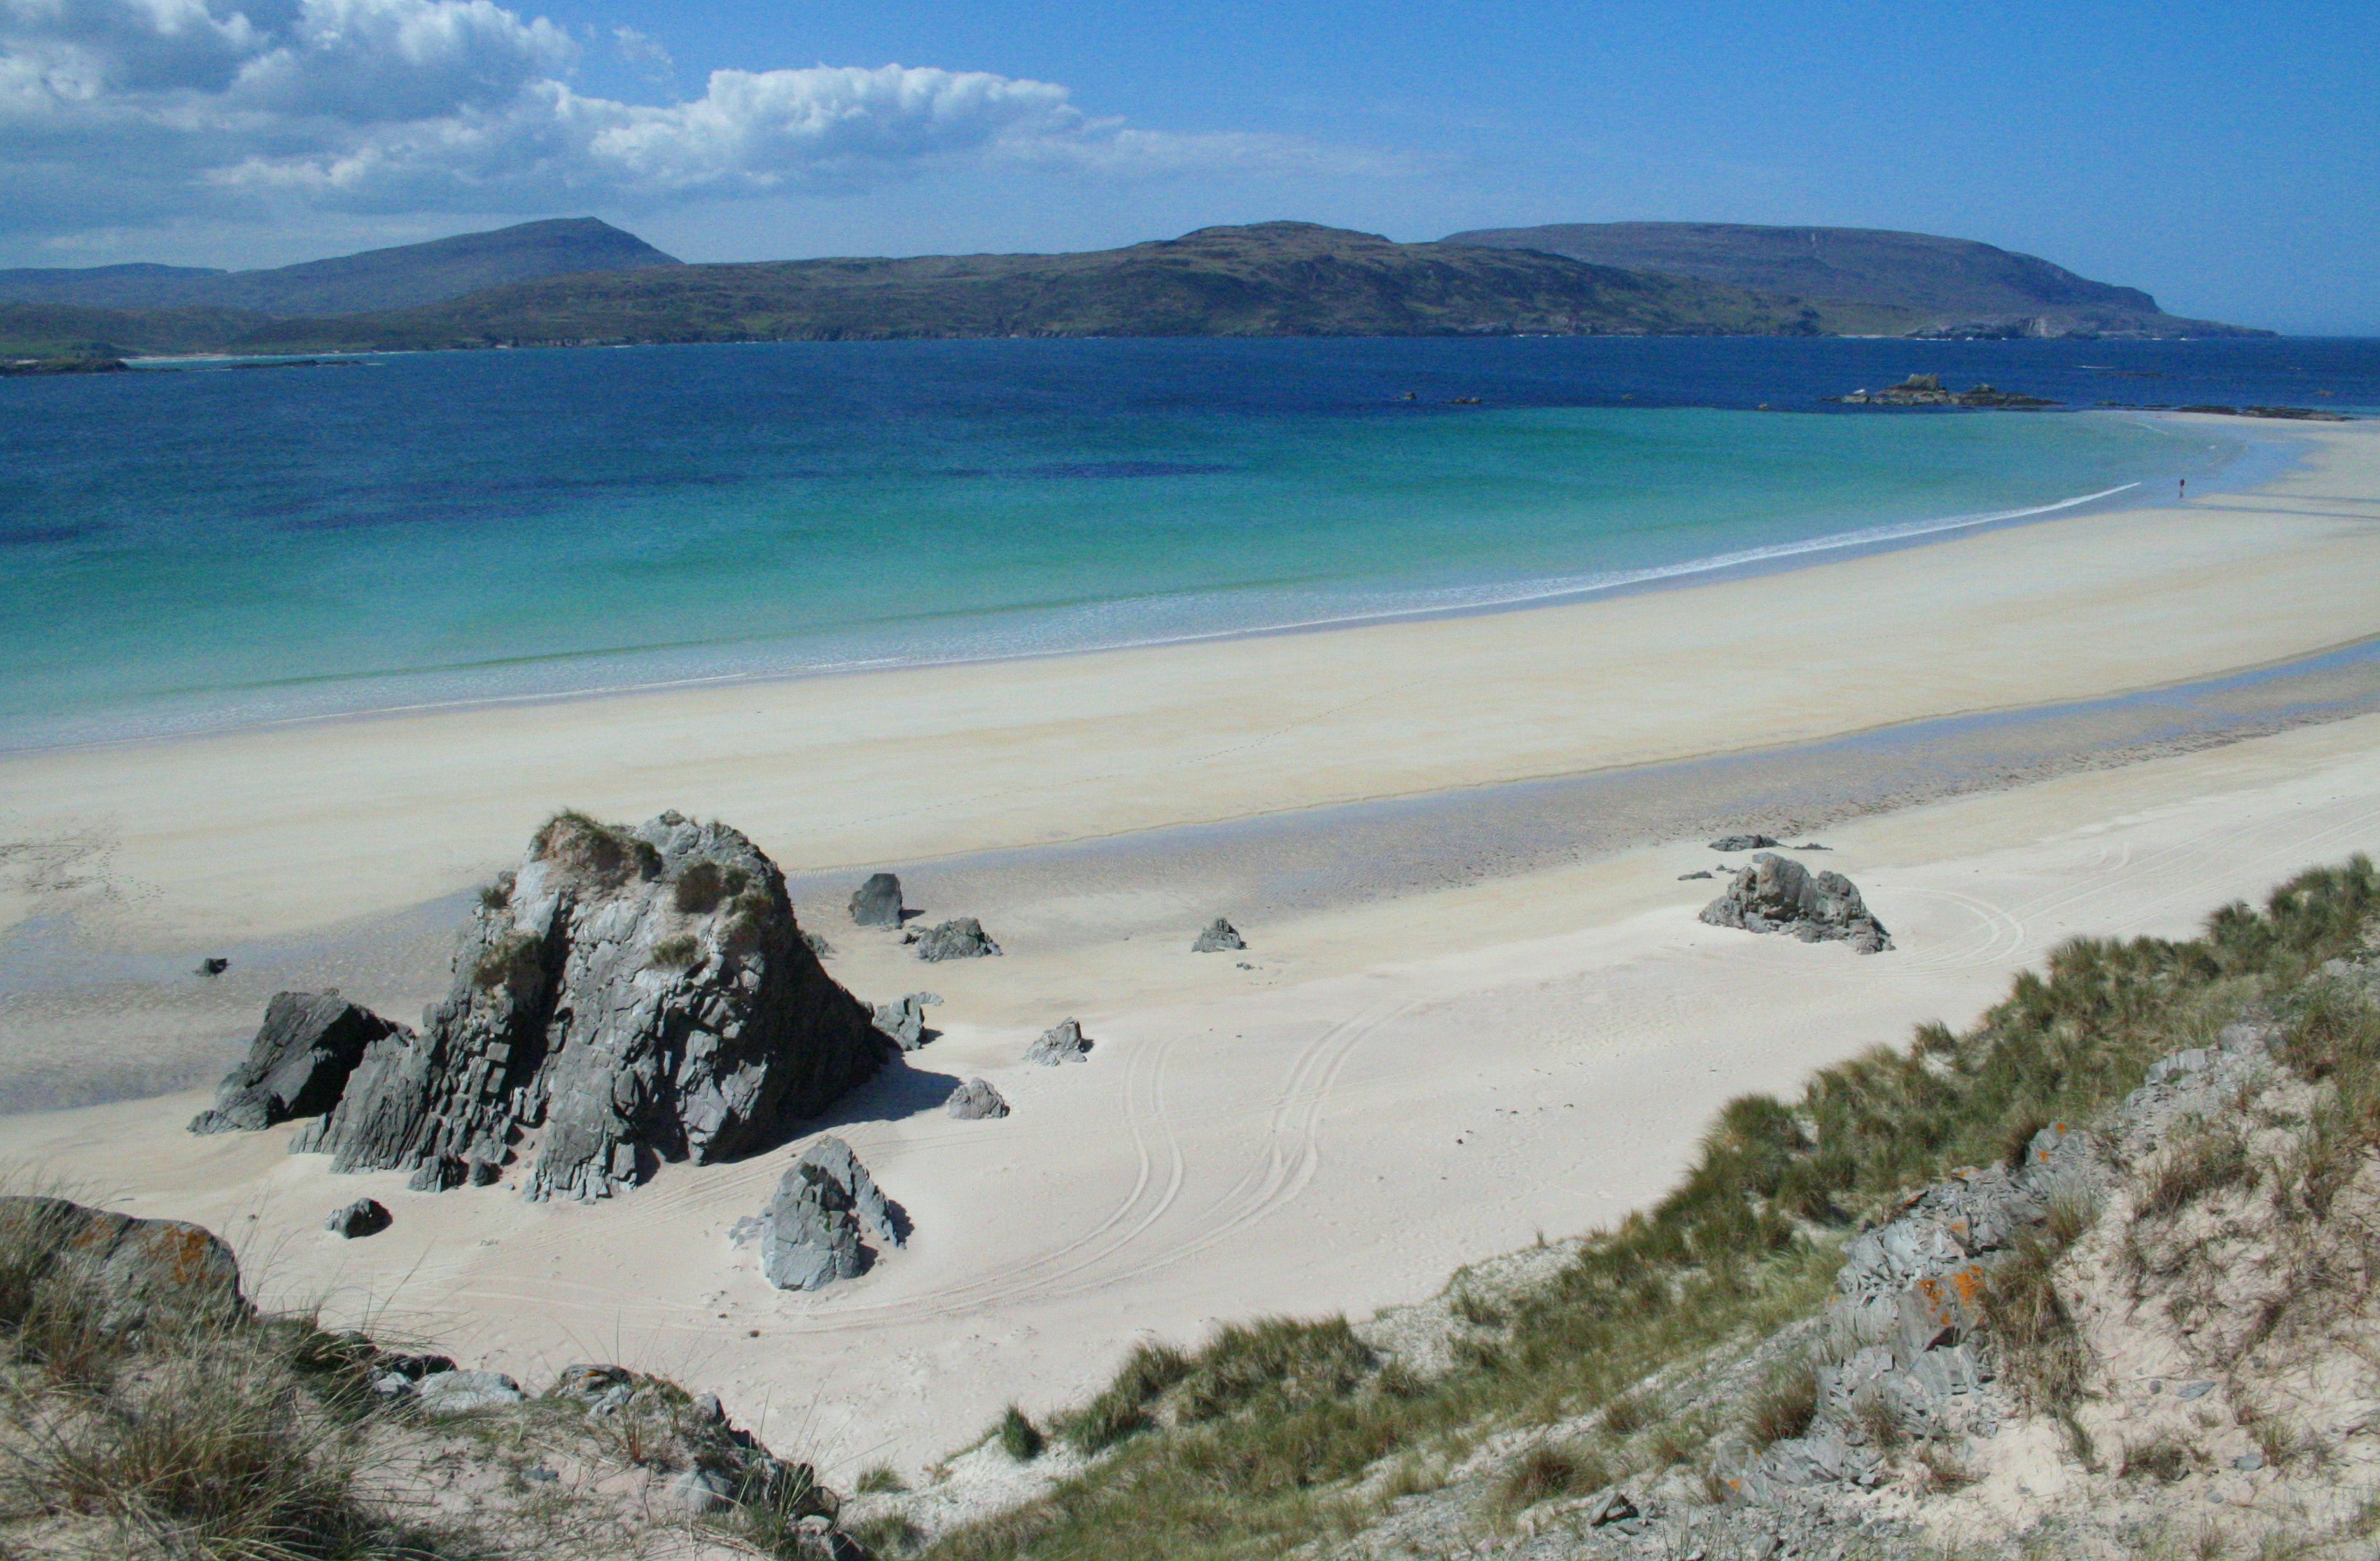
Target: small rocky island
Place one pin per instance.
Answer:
(628, 995)
(1925, 390)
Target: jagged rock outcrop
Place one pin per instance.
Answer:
(1901, 1356)
(630, 996)
(1729, 843)
(826, 1202)
(298, 1064)
(962, 937)
(904, 1022)
(877, 903)
(1219, 937)
(365, 1217)
(974, 1100)
(1777, 894)
(127, 1274)
(1063, 1042)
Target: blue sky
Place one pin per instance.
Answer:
(2224, 157)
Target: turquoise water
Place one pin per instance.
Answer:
(186, 550)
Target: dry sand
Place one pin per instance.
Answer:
(1390, 1089)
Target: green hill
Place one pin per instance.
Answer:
(71, 330)
(402, 277)
(1274, 279)
(1910, 282)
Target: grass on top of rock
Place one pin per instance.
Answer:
(591, 849)
(703, 884)
(1254, 1445)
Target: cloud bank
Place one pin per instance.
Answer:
(116, 111)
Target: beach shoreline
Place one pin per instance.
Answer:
(1513, 1024)
(2257, 453)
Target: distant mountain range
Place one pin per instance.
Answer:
(583, 282)
(1905, 284)
(375, 280)
(1272, 279)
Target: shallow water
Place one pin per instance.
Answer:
(188, 548)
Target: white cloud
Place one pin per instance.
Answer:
(116, 110)
(643, 54)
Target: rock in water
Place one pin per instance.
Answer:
(124, 1273)
(298, 1064)
(824, 1203)
(974, 1100)
(1777, 894)
(1743, 842)
(877, 903)
(1220, 937)
(960, 938)
(904, 1023)
(365, 1217)
(1064, 1043)
(642, 994)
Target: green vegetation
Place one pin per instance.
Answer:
(210, 1433)
(515, 960)
(1251, 1445)
(704, 884)
(591, 849)
(678, 951)
(1019, 1437)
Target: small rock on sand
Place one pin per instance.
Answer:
(877, 903)
(962, 937)
(1220, 937)
(1726, 844)
(365, 1217)
(1777, 894)
(823, 1204)
(1061, 1043)
(974, 1100)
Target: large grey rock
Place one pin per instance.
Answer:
(962, 937)
(1777, 894)
(298, 1064)
(825, 1204)
(456, 1392)
(1218, 936)
(124, 1273)
(877, 903)
(904, 1022)
(1061, 1043)
(974, 1100)
(365, 1217)
(641, 995)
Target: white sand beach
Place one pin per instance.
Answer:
(1376, 1092)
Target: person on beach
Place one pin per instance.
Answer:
(2182, 493)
